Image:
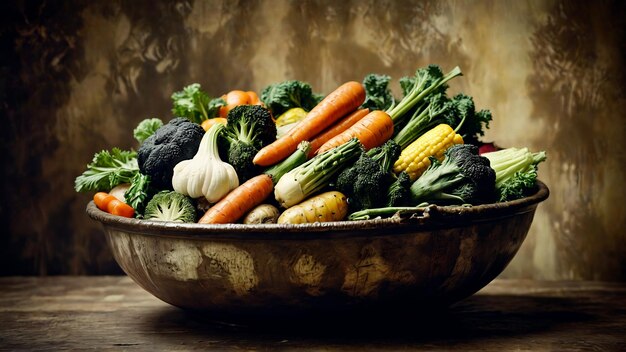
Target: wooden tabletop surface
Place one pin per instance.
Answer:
(113, 313)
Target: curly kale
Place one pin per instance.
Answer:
(377, 93)
(282, 96)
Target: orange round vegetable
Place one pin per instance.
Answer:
(206, 124)
(238, 97)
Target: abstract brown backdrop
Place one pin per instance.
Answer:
(77, 76)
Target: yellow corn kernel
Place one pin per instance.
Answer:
(414, 159)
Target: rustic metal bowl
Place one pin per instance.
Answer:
(439, 257)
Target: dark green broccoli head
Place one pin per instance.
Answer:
(248, 129)
(282, 96)
(240, 157)
(385, 155)
(364, 183)
(474, 166)
(250, 124)
(174, 142)
(462, 177)
(398, 193)
(170, 206)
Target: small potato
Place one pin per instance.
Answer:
(262, 214)
(119, 190)
(329, 206)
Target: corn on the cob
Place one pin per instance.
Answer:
(414, 159)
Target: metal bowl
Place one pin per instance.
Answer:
(438, 257)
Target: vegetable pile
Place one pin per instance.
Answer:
(295, 156)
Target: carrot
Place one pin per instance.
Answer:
(102, 200)
(117, 207)
(239, 201)
(109, 203)
(338, 103)
(372, 130)
(336, 129)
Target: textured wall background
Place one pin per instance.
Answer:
(77, 76)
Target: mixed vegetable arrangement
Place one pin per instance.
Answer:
(295, 156)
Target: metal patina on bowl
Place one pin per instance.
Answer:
(436, 258)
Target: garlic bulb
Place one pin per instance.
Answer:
(205, 174)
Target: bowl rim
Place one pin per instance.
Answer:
(431, 217)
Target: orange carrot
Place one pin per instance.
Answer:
(102, 200)
(112, 205)
(117, 207)
(372, 130)
(341, 101)
(239, 201)
(336, 129)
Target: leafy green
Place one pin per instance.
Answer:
(377, 93)
(146, 128)
(282, 96)
(518, 186)
(458, 112)
(427, 81)
(107, 170)
(139, 193)
(192, 103)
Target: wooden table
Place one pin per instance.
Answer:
(113, 313)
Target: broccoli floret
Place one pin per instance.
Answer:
(366, 182)
(398, 193)
(176, 141)
(248, 129)
(463, 177)
(170, 206)
(282, 96)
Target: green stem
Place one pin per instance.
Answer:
(373, 213)
(315, 173)
(296, 159)
(418, 94)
